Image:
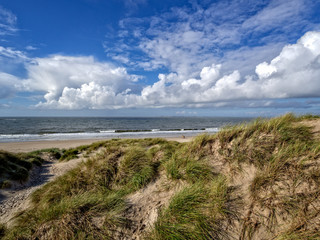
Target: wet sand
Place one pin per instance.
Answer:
(63, 144)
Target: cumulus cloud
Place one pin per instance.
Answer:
(82, 82)
(91, 96)
(65, 77)
(294, 73)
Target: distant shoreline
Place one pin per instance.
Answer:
(30, 146)
(55, 129)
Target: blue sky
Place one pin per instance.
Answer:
(159, 58)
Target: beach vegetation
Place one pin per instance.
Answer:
(95, 189)
(195, 212)
(15, 167)
(69, 154)
(54, 152)
(249, 181)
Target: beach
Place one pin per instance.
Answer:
(26, 134)
(17, 147)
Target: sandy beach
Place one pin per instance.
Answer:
(63, 144)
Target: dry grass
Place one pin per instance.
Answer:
(255, 181)
(16, 167)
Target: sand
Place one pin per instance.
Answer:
(16, 147)
(17, 198)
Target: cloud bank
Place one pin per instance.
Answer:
(84, 83)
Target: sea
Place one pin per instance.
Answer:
(20, 129)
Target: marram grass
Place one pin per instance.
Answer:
(278, 201)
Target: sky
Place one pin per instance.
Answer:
(159, 58)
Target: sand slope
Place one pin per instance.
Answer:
(16, 199)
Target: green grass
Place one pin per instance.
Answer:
(284, 188)
(180, 166)
(16, 167)
(54, 152)
(194, 213)
(97, 187)
(69, 154)
(284, 152)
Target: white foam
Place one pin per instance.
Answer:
(212, 129)
(107, 131)
(101, 134)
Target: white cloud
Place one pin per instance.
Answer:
(84, 83)
(187, 39)
(31, 48)
(12, 60)
(7, 22)
(60, 77)
(245, 58)
(8, 85)
(276, 14)
(12, 53)
(264, 70)
(9, 60)
(294, 73)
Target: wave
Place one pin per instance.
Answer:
(107, 131)
(212, 129)
(105, 134)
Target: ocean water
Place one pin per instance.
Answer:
(17, 129)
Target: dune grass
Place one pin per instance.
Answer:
(90, 201)
(96, 189)
(286, 184)
(194, 213)
(16, 167)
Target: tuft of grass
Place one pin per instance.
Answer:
(194, 213)
(173, 168)
(136, 168)
(69, 154)
(54, 152)
(187, 165)
(16, 167)
(198, 144)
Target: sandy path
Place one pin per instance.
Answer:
(16, 199)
